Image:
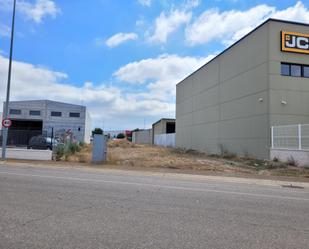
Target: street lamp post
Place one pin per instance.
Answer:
(6, 107)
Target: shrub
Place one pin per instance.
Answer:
(98, 131)
(59, 152)
(121, 136)
(72, 148)
(67, 150)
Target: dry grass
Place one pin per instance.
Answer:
(84, 156)
(124, 153)
(128, 154)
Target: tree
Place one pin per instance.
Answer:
(98, 131)
(121, 136)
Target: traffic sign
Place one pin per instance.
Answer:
(6, 123)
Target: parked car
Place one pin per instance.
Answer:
(42, 143)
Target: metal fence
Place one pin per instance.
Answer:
(294, 137)
(21, 138)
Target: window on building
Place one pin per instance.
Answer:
(170, 128)
(35, 113)
(296, 70)
(56, 114)
(74, 114)
(285, 69)
(15, 112)
(306, 71)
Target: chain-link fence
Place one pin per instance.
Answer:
(22, 138)
(294, 137)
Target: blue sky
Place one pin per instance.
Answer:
(123, 58)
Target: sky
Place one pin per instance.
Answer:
(123, 58)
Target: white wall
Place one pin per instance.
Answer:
(142, 137)
(24, 154)
(165, 140)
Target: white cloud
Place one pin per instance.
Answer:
(295, 13)
(38, 10)
(189, 4)
(166, 24)
(229, 26)
(118, 108)
(214, 25)
(122, 108)
(6, 5)
(146, 3)
(5, 31)
(160, 74)
(118, 39)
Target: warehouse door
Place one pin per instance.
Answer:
(22, 131)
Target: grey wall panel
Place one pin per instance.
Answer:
(245, 107)
(251, 128)
(279, 82)
(205, 138)
(185, 90)
(200, 83)
(207, 115)
(295, 102)
(285, 119)
(246, 55)
(250, 82)
(184, 137)
(258, 148)
(206, 99)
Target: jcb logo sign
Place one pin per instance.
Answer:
(295, 42)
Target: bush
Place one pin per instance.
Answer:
(67, 150)
(121, 136)
(98, 131)
(59, 152)
(73, 148)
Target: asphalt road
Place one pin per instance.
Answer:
(76, 208)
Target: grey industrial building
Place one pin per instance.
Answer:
(163, 126)
(261, 81)
(50, 117)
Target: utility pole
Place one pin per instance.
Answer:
(6, 108)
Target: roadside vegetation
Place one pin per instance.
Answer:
(124, 154)
(63, 152)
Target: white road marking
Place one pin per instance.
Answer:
(157, 186)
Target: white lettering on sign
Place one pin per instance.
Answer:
(294, 42)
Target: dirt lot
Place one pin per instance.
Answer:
(127, 155)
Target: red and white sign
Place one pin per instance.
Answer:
(6, 123)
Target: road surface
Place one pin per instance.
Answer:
(76, 208)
